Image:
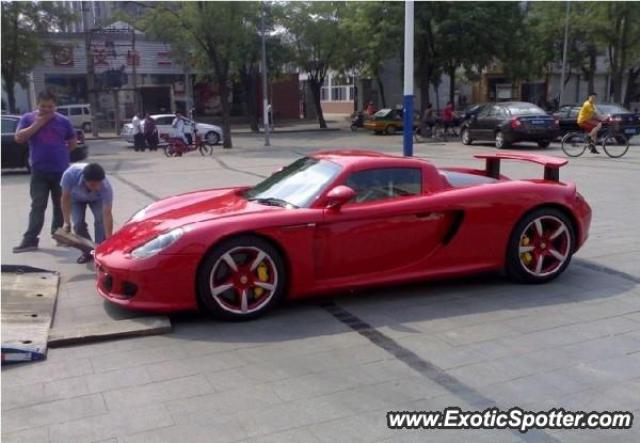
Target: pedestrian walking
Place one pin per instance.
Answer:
(138, 136)
(50, 137)
(86, 185)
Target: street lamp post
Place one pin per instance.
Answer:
(408, 79)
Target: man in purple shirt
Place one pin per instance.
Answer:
(51, 136)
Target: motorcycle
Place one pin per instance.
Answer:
(357, 121)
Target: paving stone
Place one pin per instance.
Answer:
(157, 392)
(32, 435)
(53, 412)
(194, 365)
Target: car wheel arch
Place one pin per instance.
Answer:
(558, 207)
(273, 242)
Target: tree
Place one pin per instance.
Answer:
(317, 41)
(23, 47)
(216, 32)
(375, 34)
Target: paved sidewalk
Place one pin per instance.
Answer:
(328, 370)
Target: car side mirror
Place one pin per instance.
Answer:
(338, 196)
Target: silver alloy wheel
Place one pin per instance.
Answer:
(544, 246)
(499, 140)
(235, 282)
(212, 138)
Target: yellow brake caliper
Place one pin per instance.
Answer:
(526, 256)
(263, 275)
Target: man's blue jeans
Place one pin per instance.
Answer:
(78, 214)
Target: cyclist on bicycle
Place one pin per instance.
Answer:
(428, 121)
(590, 121)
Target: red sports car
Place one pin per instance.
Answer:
(339, 220)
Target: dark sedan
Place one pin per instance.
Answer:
(16, 155)
(626, 122)
(510, 122)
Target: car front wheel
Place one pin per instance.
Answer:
(501, 143)
(241, 279)
(544, 144)
(212, 138)
(541, 246)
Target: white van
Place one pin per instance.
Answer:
(79, 115)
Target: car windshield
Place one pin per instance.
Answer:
(612, 109)
(296, 185)
(524, 109)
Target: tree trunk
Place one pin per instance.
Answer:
(425, 97)
(315, 86)
(633, 86)
(590, 73)
(226, 113)
(249, 79)
(383, 100)
(10, 89)
(452, 84)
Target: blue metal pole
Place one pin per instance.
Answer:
(408, 80)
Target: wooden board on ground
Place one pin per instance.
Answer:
(105, 331)
(28, 302)
(73, 240)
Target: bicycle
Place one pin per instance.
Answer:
(614, 143)
(175, 146)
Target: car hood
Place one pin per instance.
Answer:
(181, 210)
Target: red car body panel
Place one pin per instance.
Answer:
(448, 231)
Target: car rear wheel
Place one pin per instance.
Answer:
(390, 130)
(544, 144)
(501, 143)
(541, 246)
(466, 137)
(241, 279)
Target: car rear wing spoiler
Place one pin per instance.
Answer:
(552, 165)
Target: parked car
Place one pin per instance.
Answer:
(16, 155)
(337, 220)
(386, 121)
(626, 122)
(510, 122)
(212, 134)
(78, 115)
(472, 110)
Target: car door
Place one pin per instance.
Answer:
(383, 230)
(482, 126)
(164, 125)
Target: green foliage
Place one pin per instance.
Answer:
(23, 23)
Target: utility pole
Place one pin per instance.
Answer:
(91, 74)
(408, 79)
(564, 53)
(265, 101)
(136, 104)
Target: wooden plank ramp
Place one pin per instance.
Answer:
(106, 331)
(28, 302)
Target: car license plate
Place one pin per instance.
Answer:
(630, 131)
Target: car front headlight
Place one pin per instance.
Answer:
(159, 243)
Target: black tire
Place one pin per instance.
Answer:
(544, 144)
(574, 144)
(390, 130)
(615, 146)
(169, 151)
(501, 142)
(212, 138)
(354, 127)
(206, 149)
(214, 266)
(86, 128)
(466, 136)
(516, 267)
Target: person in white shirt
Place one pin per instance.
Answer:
(138, 136)
(178, 125)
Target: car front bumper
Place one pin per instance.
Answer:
(162, 283)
